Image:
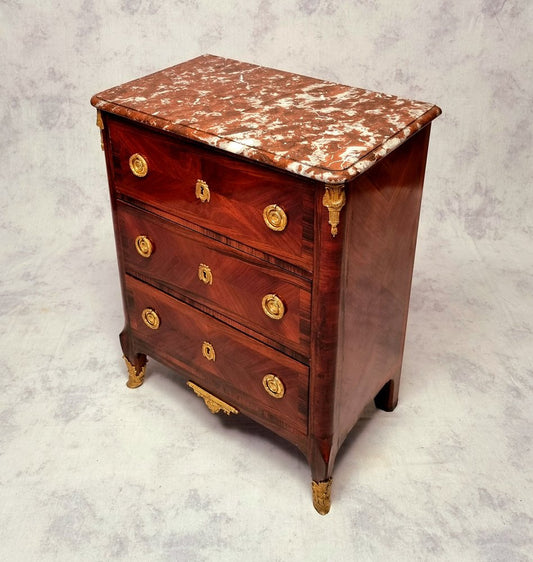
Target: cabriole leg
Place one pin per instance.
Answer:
(321, 458)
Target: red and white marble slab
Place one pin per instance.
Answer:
(317, 129)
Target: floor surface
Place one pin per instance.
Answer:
(92, 470)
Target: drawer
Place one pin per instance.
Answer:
(237, 200)
(219, 358)
(215, 275)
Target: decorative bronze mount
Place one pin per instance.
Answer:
(100, 125)
(202, 191)
(334, 199)
(214, 404)
(322, 496)
(275, 218)
(136, 378)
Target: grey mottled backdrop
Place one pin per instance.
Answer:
(92, 472)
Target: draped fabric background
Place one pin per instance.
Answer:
(93, 471)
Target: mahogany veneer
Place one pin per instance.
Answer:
(265, 227)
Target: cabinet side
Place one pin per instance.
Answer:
(382, 214)
(135, 360)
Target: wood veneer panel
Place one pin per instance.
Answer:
(239, 282)
(381, 221)
(240, 362)
(239, 191)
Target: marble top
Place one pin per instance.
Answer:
(314, 128)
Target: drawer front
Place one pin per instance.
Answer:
(219, 358)
(236, 200)
(216, 276)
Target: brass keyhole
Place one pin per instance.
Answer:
(205, 274)
(208, 351)
(202, 191)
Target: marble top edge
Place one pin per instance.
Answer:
(314, 128)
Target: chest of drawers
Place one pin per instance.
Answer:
(265, 228)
